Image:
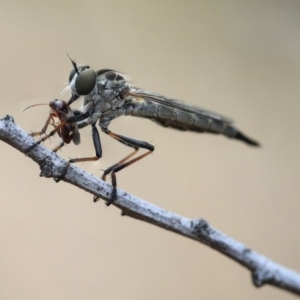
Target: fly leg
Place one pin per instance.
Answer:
(98, 149)
(125, 162)
(83, 119)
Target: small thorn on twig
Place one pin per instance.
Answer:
(123, 213)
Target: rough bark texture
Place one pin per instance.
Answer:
(263, 270)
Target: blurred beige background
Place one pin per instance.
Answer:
(238, 58)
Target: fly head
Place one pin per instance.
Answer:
(82, 80)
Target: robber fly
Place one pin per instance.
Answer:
(108, 95)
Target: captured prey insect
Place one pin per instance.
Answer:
(66, 130)
(108, 95)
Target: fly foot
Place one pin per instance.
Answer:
(113, 196)
(114, 190)
(63, 173)
(111, 200)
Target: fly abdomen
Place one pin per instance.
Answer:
(178, 119)
(183, 120)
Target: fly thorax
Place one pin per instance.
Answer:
(104, 121)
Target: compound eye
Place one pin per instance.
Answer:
(72, 73)
(85, 81)
(79, 68)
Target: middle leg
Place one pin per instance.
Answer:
(125, 162)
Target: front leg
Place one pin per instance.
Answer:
(87, 117)
(78, 117)
(98, 149)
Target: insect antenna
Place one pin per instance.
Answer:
(74, 64)
(34, 105)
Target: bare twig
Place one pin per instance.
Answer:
(263, 269)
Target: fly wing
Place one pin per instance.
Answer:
(179, 115)
(180, 105)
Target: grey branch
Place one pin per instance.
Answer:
(264, 270)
